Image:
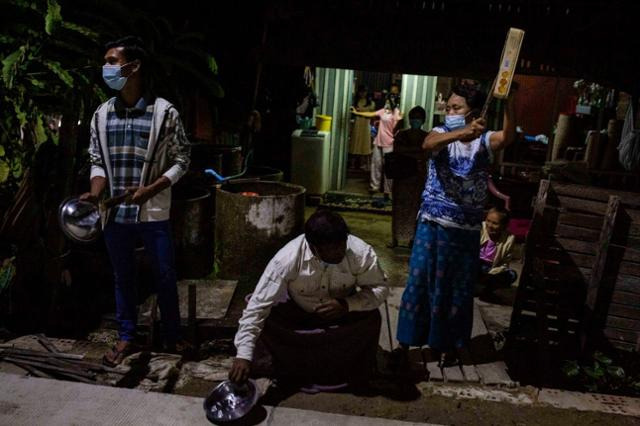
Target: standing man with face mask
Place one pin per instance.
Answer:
(138, 150)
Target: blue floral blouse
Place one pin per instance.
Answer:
(455, 193)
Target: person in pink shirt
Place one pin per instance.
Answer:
(389, 117)
(496, 251)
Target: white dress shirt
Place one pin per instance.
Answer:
(295, 272)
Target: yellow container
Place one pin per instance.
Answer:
(323, 123)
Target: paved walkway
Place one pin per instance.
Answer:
(486, 368)
(34, 401)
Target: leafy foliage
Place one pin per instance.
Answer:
(50, 56)
(41, 78)
(599, 374)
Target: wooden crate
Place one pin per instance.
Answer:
(580, 281)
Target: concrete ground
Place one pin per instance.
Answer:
(34, 401)
(25, 400)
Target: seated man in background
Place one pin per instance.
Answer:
(496, 246)
(313, 317)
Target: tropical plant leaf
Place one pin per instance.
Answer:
(39, 131)
(602, 358)
(63, 74)
(16, 169)
(5, 39)
(570, 368)
(213, 65)
(20, 115)
(594, 373)
(10, 65)
(616, 371)
(4, 171)
(87, 32)
(53, 19)
(2, 152)
(37, 83)
(100, 93)
(7, 272)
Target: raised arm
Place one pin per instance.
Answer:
(437, 140)
(503, 138)
(363, 113)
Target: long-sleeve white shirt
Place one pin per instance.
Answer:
(296, 272)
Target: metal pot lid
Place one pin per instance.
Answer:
(79, 220)
(230, 401)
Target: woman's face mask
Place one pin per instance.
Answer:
(455, 121)
(112, 76)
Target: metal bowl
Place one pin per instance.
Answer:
(79, 220)
(230, 401)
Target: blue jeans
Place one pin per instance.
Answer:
(156, 236)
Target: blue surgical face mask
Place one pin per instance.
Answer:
(112, 75)
(454, 122)
(416, 123)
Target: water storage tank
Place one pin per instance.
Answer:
(310, 160)
(191, 212)
(253, 221)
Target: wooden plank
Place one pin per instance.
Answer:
(628, 253)
(567, 274)
(596, 194)
(624, 323)
(478, 328)
(435, 373)
(624, 311)
(582, 220)
(628, 283)
(553, 322)
(618, 344)
(633, 214)
(452, 374)
(623, 335)
(624, 298)
(535, 233)
(564, 257)
(630, 268)
(470, 373)
(579, 205)
(577, 233)
(494, 373)
(576, 245)
(601, 255)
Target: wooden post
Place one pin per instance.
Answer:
(529, 270)
(192, 320)
(527, 267)
(592, 318)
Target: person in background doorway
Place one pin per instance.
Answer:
(313, 318)
(496, 246)
(360, 141)
(389, 117)
(407, 166)
(138, 150)
(437, 303)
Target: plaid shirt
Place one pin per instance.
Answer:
(128, 137)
